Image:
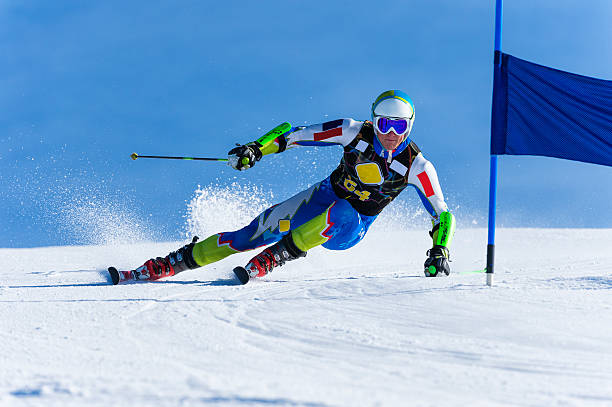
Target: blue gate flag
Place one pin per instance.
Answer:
(539, 110)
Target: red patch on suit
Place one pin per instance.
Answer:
(328, 134)
(429, 191)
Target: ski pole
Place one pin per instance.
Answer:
(263, 140)
(134, 156)
(472, 272)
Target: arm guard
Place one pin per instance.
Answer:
(442, 233)
(273, 141)
(277, 145)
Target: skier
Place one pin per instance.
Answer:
(379, 161)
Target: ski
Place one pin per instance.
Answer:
(242, 274)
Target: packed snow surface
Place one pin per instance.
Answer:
(362, 327)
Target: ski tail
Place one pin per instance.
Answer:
(120, 276)
(114, 274)
(242, 274)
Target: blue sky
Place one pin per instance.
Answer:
(84, 84)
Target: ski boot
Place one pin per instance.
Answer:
(160, 267)
(273, 256)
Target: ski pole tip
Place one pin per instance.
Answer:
(134, 156)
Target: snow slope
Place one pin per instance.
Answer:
(356, 328)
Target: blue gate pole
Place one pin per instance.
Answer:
(492, 202)
(493, 171)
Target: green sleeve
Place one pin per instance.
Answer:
(443, 234)
(273, 141)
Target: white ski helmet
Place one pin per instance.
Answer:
(394, 104)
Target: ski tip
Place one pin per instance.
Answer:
(242, 274)
(114, 274)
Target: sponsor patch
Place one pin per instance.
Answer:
(369, 173)
(284, 225)
(399, 168)
(361, 146)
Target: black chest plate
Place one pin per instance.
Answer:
(366, 179)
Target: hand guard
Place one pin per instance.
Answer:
(244, 157)
(437, 261)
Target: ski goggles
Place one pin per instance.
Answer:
(385, 124)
